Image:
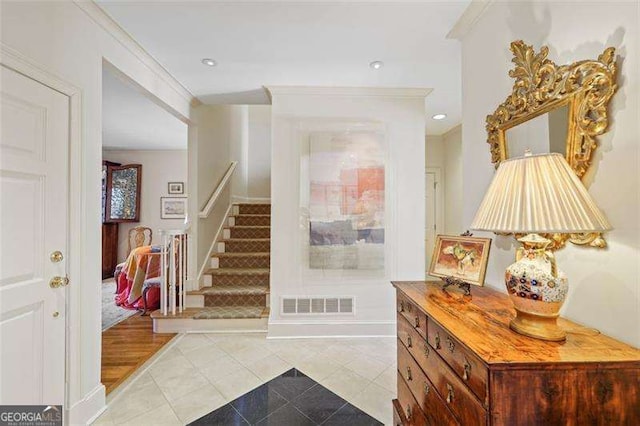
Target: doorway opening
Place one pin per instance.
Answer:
(434, 210)
(144, 192)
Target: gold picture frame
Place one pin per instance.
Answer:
(461, 258)
(541, 86)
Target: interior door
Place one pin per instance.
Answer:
(430, 220)
(33, 240)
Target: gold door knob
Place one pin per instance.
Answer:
(58, 282)
(56, 314)
(56, 256)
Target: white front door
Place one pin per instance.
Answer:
(34, 141)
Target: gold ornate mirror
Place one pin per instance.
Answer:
(554, 109)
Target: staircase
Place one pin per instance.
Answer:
(235, 289)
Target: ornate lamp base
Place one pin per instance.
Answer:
(538, 326)
(537, 289)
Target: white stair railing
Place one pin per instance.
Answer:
(173, 269)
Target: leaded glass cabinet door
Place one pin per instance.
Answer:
(123, 193)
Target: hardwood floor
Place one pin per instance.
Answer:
(126, 346)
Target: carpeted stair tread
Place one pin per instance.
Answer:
(231, 312)
(238, 271)
(240, 240)
(252, 215)
(249, 227)
(233, 290)
(240, 254)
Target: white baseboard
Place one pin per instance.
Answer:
(190, 325)
(89, 408)
(302, 329)
(207, 259)
(250, 200)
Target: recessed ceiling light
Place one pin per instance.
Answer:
(209, 62)
(439, 116)
(376, 65)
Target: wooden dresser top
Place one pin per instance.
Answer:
(481, 322)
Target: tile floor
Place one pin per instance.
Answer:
(203, 372)
(292, 399)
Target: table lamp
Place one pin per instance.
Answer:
(531, 195)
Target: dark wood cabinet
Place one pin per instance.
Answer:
(459, 363)
(109, 230)
(109, 249)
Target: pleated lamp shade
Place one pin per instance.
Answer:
(538, 194)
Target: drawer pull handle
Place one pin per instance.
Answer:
(449, 393)
(426, 349)
(409, 377)
(450, 344)
(401, 306)
(417, 322)
(409, 307)
(427, 388)
(467, 370)
(409, 343)
(408, 412)
(437, 340)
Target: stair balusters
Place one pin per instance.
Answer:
(173, 269)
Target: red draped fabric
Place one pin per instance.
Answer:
(141, 264)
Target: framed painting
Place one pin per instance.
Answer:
(463, 258)
(175, 188)
(346, 172)
(123, 193)
(173, 207)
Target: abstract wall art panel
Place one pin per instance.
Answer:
(346, 200)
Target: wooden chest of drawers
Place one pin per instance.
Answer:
(460, 364)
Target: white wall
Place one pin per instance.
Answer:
(434, 151)
(159, 167)
(259, 176)
(63, 39)
(226, 133)
(296, 113)
(210, 154)
(452, 141)
(604, 284)
(236, 128)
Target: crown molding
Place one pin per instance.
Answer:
(104, 20)
(468, 19)
(389, 92)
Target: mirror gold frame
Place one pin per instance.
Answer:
(542, 86)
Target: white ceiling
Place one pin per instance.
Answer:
(132, 121)
(325, 43)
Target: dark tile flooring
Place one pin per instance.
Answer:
(291, 399)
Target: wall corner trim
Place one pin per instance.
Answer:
(392, 92)
(106, 22)
(89, 408)
(468, 19)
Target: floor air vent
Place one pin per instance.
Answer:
(317, 305)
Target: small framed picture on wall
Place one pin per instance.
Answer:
(173, 207)
(176, 188)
